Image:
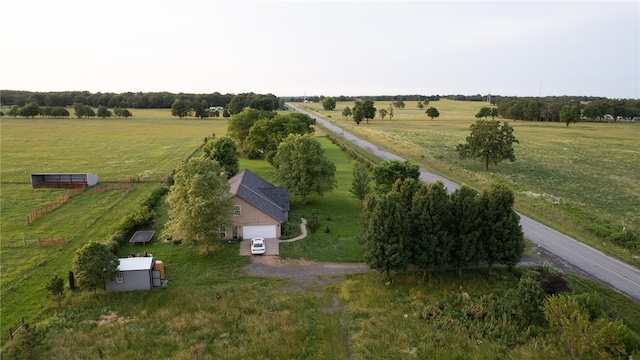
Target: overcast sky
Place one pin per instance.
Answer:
(521, 48)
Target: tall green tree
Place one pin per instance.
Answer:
(384, 236)
(236, 105)
(328, 103)
(199, 201)
(570, 113)
(240, 124)
(432, 112)
(430, 218)
(360, 185)
(363, 110)
(347, 112)
(484, 112)
(390, 112)
(30, 109)
(103, 112)
(387, 173)
(494, 113)
(399, 104)
(179, 108)
(420, 105)
(501, 232)
(225, 151)
(266, 134)
(490, 142)
(202, 109)
(383, 113)
(14, 111)
(464, 228)
(302, 166)
(93, 263)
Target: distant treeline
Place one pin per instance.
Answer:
(139, 100)
(549, 108)
(516, 108)
(316, 98)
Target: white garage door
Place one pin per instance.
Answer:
(263, 231)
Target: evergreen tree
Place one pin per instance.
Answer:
(501, 234)
(385, 239)
(464, 227)
(360, 186)
(430, 218)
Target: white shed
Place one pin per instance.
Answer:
(133, 274)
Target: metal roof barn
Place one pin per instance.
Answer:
(63, 180)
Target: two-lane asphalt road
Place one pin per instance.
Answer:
(615, 273)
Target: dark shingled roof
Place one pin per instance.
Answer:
(260, 193)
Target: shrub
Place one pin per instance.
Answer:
(526, 299)
(313, 224)
(627, 238)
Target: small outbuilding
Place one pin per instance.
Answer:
(136, 273)
(63, 180)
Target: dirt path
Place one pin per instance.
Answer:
(299, 269)
(310, 272)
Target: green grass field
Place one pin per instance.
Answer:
(211, 309)
(582, 179)
(147, 146)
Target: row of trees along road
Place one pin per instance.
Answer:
(420, 224)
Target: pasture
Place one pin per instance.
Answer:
(582, 179)
(144, 147)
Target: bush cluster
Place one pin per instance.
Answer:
(140, 217)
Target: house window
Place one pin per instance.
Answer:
(120, 278)
(223, 233)
(237, 211)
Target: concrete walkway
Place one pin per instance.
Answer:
(303, 232)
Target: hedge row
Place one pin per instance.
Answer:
(139, 218)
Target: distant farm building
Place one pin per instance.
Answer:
(63, 180)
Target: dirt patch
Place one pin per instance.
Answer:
(111, 318)
(303, 275)
(275, 266)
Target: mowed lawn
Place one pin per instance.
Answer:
(580, 178)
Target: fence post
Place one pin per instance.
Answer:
(10, 334)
